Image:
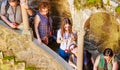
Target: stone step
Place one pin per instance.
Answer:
(30, 68)
(1, 55)
(8, 60)
(9, 63)
(12, 65)
(5, 66)
(19, 65)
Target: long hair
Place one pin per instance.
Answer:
(64, 22)
(108, 52)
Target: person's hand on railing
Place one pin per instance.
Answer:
(39, 41)
(13, 25)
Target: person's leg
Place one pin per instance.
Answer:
(67, 56)
(63, 54)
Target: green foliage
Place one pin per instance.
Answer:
(30, 68)
(94, 2)
(77, 4)
(91, 1)
(9, 57)
(17, 62)
(117, 9)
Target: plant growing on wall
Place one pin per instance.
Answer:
(117, 9)
(87, 3)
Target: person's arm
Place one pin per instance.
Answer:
(59, 40)
(36, 22)
(3, 12)
(92, 60)
(74, 36)
(51, 28)
(96, 63)
(115, 65)
(71, 63)
(8, 22)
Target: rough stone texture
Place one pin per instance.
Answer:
(24, 50)
(60, 9)
(104, 31)
(82, 16)
(21, 47)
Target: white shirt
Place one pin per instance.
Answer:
(64, 45)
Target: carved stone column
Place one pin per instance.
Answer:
(26, 29)
(78, 26)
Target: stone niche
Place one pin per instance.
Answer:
(103, 31)
(59, 9)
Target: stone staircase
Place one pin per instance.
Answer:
(36, 56)
(9, 63)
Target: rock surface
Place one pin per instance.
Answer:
(11, 43)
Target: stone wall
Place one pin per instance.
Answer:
(13, 44)
(105, 24)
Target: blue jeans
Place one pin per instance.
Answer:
(64, 54)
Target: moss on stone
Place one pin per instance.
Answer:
(91, 1)
(30, 68)
(103, 30)
(17, 62)
(88, 3)
(97, 3)
(77, 4)
(117, 9)
(9, 57)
